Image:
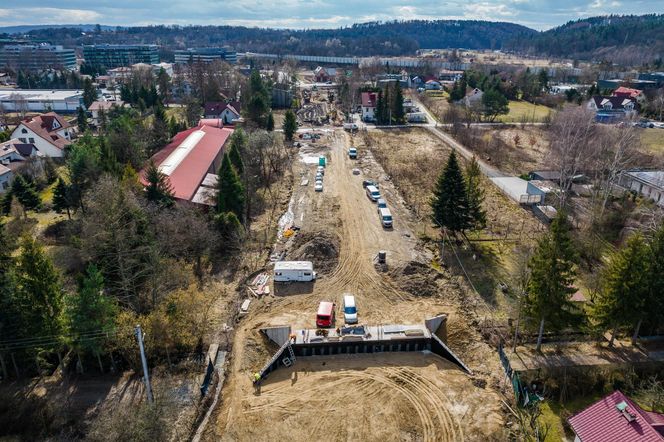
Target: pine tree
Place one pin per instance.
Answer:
(159, 189)
(290, 125)
(380, 108)
(91, 311)
(622, 300)
(39, 291)
(258, 104)
(450, 200)
(386, 112)
(553, 271)
(108, 162)
(89, 93)
(25, 192)
(398, 113)
(269, 124)
(655, 302)
(6, 202)
(475, 194)
(82, 120)
(61, 198)
(237, 147)
(230, 191)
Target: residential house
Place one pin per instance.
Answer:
(647, 183)
(617, 418)
(473, 97)
(323, 75)
(191, 161)
(369, 102)
(226, 112)
(49, 133)
(13, 154)
(6, 176)
(630, 93)
(432, 85)
(613, 109)
(98, 107)
(449, 75)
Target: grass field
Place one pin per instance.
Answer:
(522, 111)
(554, 414)
(653, 140)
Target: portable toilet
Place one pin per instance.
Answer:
(321, 161)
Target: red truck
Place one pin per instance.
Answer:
(325, 315)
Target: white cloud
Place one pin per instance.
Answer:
(38, 15)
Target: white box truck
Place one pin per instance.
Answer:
(288, 271)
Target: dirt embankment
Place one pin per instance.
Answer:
(321, 248)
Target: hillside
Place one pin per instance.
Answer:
(377, 38)
(628, 40)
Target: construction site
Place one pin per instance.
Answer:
(413, 368)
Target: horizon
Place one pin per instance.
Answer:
(540, 15)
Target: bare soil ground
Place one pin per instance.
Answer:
(378, 397)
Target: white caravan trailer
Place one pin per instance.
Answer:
(287, 271)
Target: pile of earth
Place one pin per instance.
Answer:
(416, 278)
(321, 248)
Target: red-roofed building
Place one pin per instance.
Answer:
(227, 112)
(50, 133)
(616, 418)
(191, 162)
(369, 102)
(628, 92)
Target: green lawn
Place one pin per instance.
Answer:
(177, 112)
(554, 413)
(521, 111)
(653, 140)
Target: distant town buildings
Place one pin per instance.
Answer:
(205, 55)
(34, 57)
(40, 100)
(112, 56)
(49, 133)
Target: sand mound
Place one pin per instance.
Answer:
(318, 247)
(416, 278)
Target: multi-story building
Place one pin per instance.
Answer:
(205, 55)
(37, 57)
(112, 56)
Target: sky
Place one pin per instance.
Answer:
(537, 14)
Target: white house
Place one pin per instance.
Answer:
(6, 176)
(473, 97)
(226, 112)
(369, 101)
(50, 133)
(647, 183)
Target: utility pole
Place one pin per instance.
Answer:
(146, 375)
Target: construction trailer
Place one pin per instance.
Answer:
(292, 271)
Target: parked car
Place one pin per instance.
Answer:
(382, 204)
(373, 193)
(366, 183)
(319, 176)
(356, 171)
(385, 217)
(321, 170)
(352, 153)
(325, 314)
(350, 310)
(319, 186)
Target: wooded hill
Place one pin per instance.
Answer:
(630, 40)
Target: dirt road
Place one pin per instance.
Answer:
(364, 397)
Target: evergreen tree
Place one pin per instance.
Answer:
(108, 162)
(89, 93)
(160, 129)
(269, 124)
(238, 144)
(230, 191)
(475, 194)
(398, 113)
(228, 225)
(258, 104)
(39, 291)
(655, 302)
(25, 192)
(6, 202)
(379, 114)
(495, 103)
(82, 120)
(159, 189)
(164, 84)
(91, 311)
(386, 112)
(83, 167)
(61, 198)
(624, 295)
(450, 200)
(553, 271)
(290, 125)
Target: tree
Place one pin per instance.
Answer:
(237, 147)
(83, 167)
(290, 125)
(25, 192)
(655, 310)
(230, 191)
(553, 271)
(258, 100)
(494, 104)
(449, 204)
(89, 93)
(269, 124)
(625, 289)
(164, 85)
(398, 113)
(159, 189)
(39, 291)
(82, 120)
(91, 313)
(62, 198)
(475, 193)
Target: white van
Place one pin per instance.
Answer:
(287, 271)
(385, 217)
(350, 310)
(373, 193)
